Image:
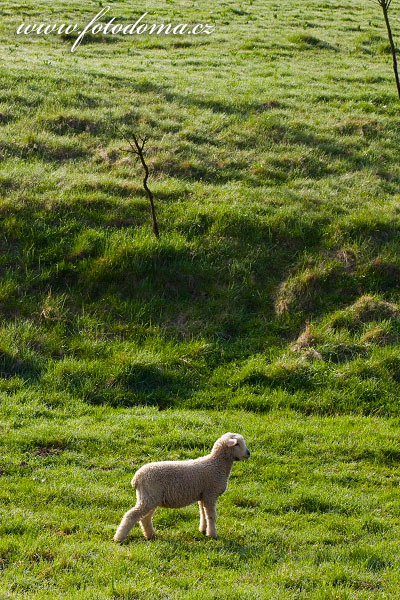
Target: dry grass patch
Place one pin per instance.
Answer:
(367, 308)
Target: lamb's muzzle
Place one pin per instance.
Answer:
(173, 484)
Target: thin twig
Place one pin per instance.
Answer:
(138, 149)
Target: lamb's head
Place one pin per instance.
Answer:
(232, 444)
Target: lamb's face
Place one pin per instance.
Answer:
(239, 448)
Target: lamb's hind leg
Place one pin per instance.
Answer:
(130, 518)
(203, 522)
(147, 525)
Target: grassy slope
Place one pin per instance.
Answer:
(274, 149)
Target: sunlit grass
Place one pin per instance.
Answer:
(314, 512)
(273, 148)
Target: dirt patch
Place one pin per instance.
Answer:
(47, 451)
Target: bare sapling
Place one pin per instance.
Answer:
(138, 148)
(385, 5)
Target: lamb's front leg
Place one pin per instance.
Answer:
(210, 508)
(203, 522)
(147, 526)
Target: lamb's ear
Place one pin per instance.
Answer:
(231, 442)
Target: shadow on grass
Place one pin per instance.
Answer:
(42, 151)
(229, 546)
(70, 125)
(185, 285)
(11, 366)
(214, 279)
(140, 385)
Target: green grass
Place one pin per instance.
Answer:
(270, 305)
(313, 514)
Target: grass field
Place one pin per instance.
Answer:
(270, 304)
(313, 514)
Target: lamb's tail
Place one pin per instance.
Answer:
(134, 481)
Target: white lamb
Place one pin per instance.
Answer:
(173, 484)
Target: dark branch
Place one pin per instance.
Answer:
(385, 7)
(138, 149)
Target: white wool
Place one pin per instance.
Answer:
(173, 484)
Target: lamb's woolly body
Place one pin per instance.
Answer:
(173, 484)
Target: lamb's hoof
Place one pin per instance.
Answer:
(213, 537)
(117, 539)
(202, 531)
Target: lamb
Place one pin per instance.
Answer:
(173, 484)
